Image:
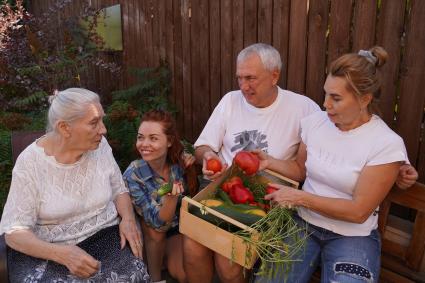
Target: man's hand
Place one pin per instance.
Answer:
(210, 174)
(407, 176)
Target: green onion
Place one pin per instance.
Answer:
(278, 242)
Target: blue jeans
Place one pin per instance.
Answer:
(342, 258)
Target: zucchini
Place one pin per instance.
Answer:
(245, 207)
(247, 215)
(239, 215)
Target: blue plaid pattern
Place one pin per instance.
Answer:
(143, 184)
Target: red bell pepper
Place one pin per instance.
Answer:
(227, 186)
(240, 194)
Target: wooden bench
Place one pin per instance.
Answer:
(19, 140)
(403, 241)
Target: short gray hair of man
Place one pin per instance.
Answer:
(269, 56)
(69, 105)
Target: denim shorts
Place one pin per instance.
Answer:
(341, 258)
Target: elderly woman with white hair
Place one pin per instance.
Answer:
(68, 215)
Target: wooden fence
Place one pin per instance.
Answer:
(201, 38)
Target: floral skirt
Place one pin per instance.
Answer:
(116, 265)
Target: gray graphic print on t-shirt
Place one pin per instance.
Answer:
(249, 140)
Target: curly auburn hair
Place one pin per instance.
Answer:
(176, 150)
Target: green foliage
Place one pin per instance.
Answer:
(5, 166)
(36, 59)
(151, 91)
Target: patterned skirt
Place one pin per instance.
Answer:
(116, 265)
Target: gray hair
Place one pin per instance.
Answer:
(269, 56)
(69, 105)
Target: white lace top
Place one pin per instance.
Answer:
(63, 203)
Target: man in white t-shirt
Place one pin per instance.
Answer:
(259, 115)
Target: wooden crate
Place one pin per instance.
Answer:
(215, 238)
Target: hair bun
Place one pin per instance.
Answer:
(369, 56)
(53, 96)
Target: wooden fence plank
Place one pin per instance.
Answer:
(131, 34)
(142, 55)
(364, 24)
(200, 66)
(169, 42)
(238, 35)
(162, 30)
(215, 58)
(227, 74)
(316, 65)
(250, 22)
(196, 66)
(339, 34)
(265, 18)
(281, 10)
(389, 34)
(412, 84)
(126, 39)
(187, 71)
(178, 65)
(156, 52)
(147, 8)
(297, 46)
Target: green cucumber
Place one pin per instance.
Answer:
(165, 189)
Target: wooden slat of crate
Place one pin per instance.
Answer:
(218, 240)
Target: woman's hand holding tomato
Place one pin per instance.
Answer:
(263, 157)
(283, 195)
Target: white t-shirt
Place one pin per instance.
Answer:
(335, 160)
(236, 125)
(63, 203)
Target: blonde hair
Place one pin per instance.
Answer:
(69, 105)
(360, 70)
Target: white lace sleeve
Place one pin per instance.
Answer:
(117, 182)
(20, 211)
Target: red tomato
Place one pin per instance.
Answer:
(270, 190)
(247, 161)
(214, 165)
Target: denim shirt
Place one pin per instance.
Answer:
(143, 184)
